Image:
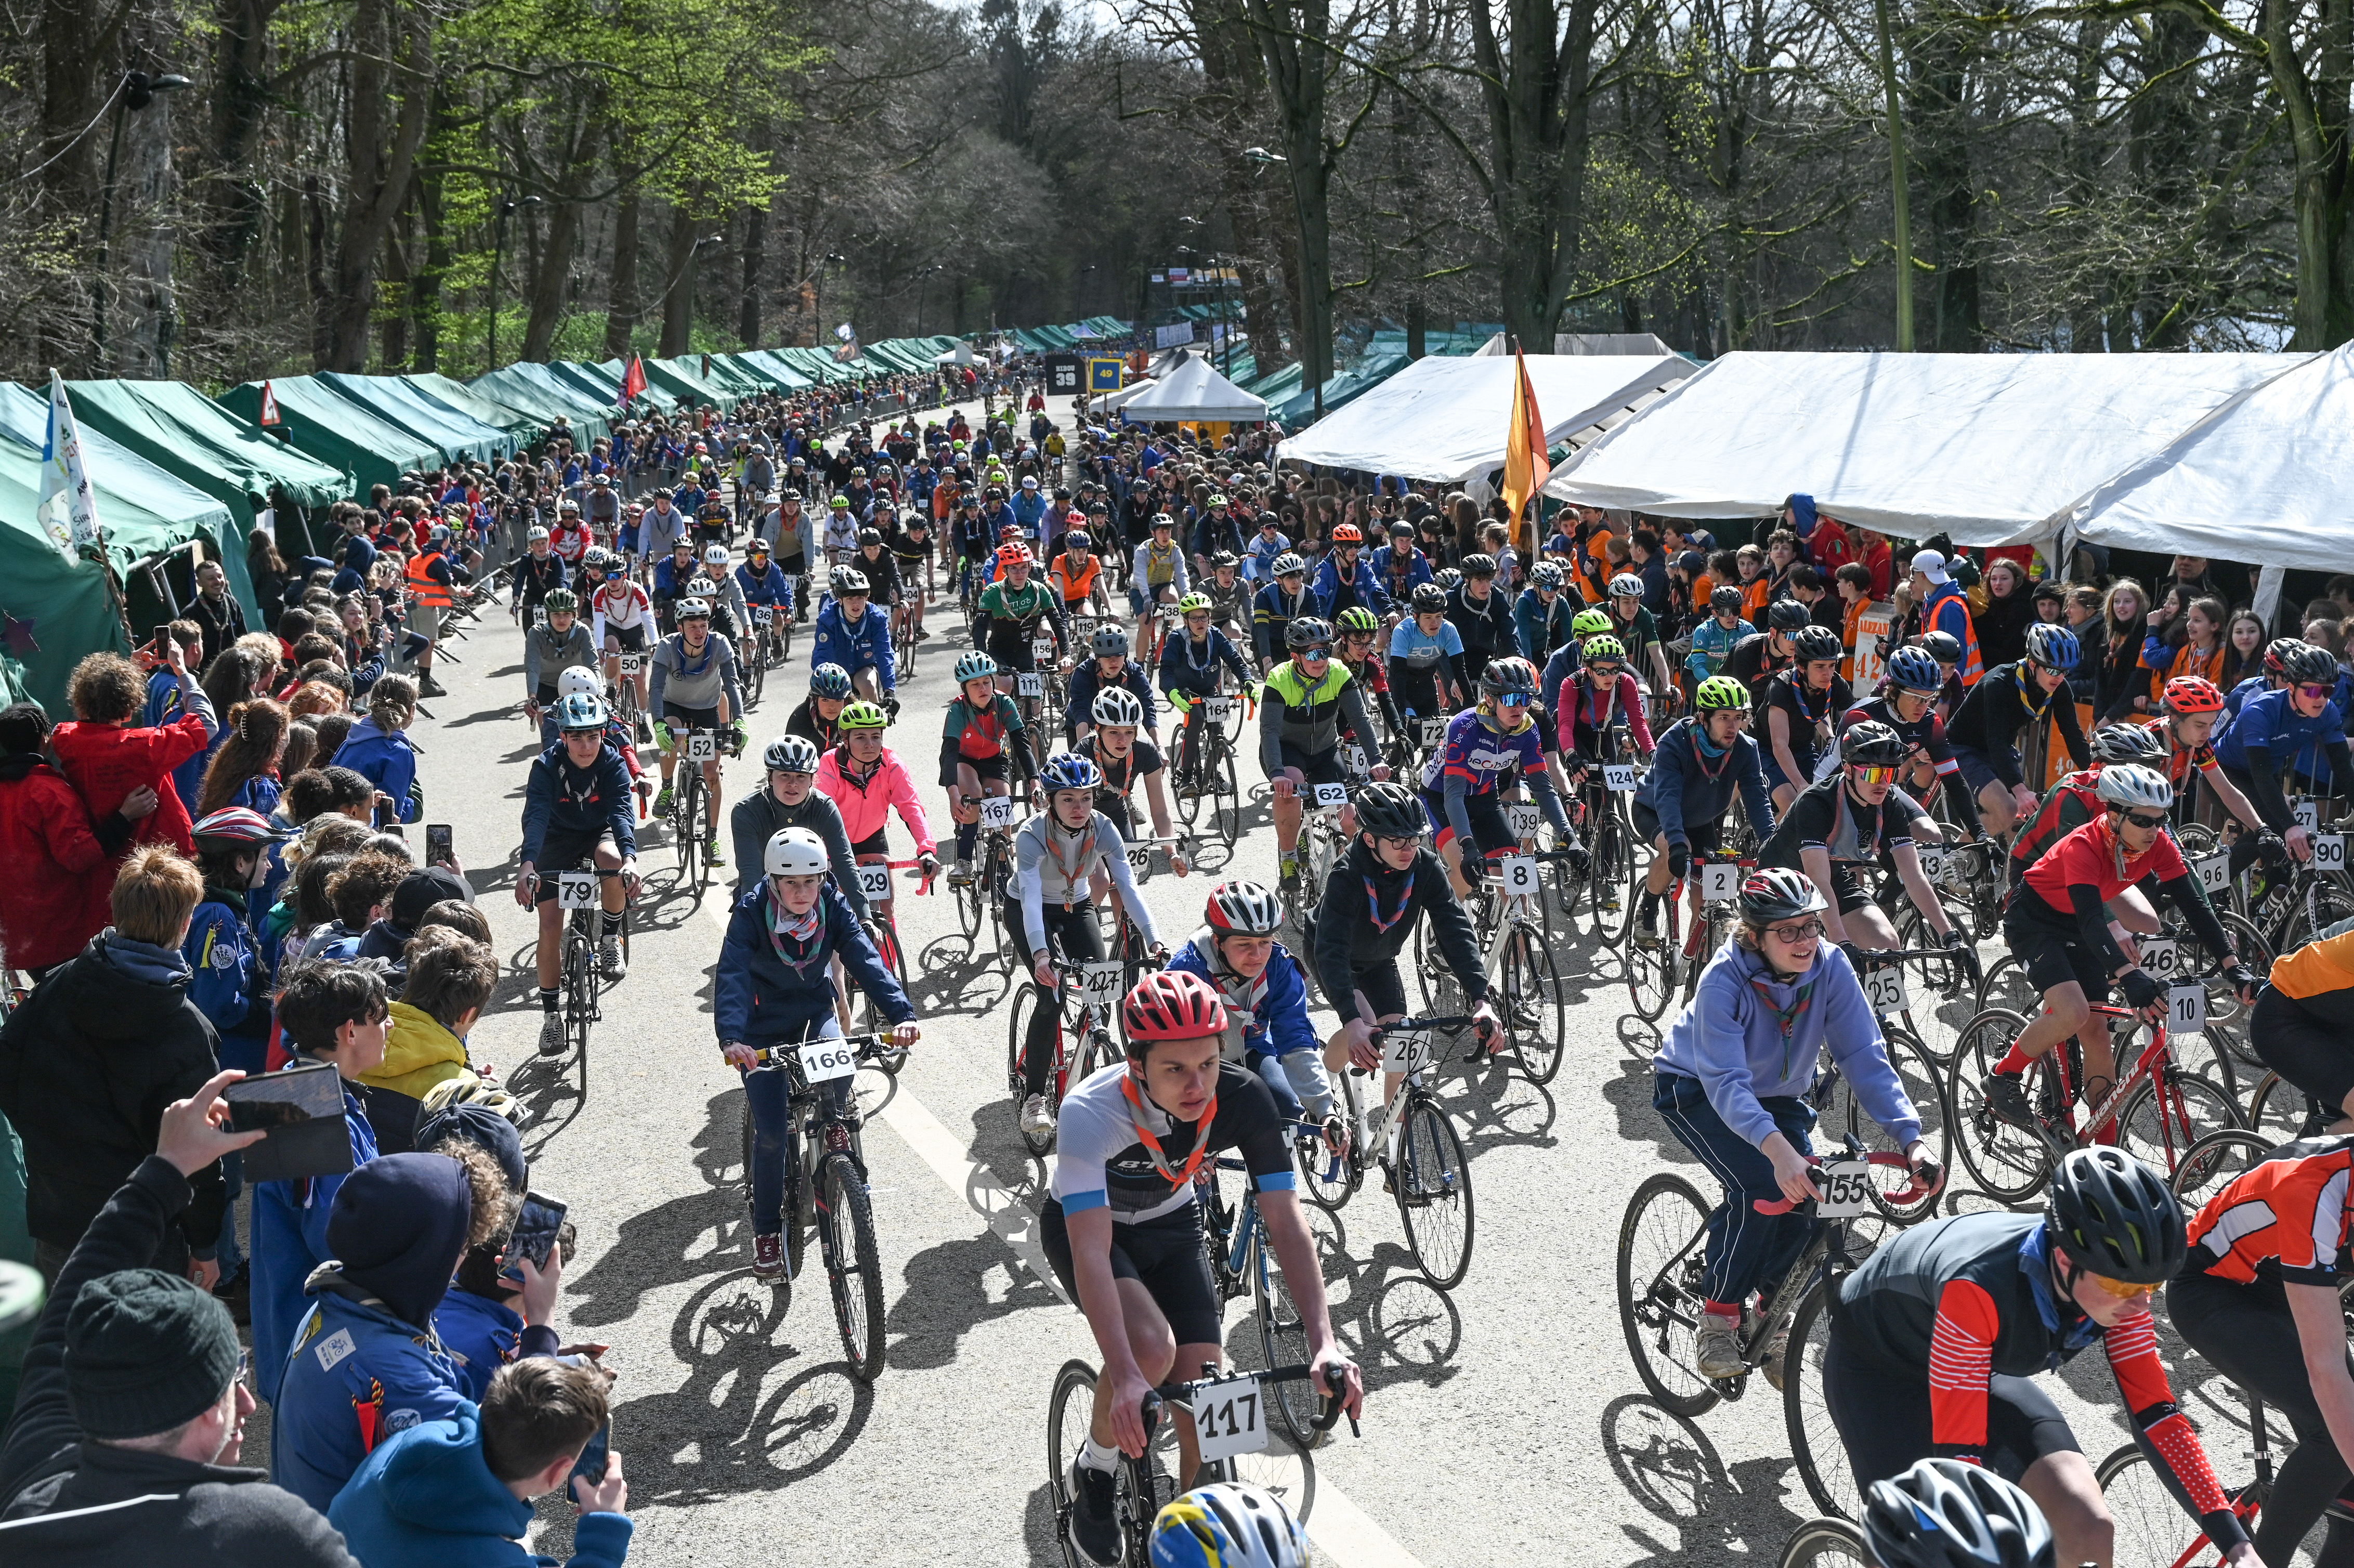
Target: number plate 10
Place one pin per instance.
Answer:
(1230, 1418)
(2186, 1008)
(1846, 1187)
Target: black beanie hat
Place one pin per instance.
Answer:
(145, 1351)
(479, 1124)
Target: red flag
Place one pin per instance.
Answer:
(269, 405)
(633, 380)
(1525, 466)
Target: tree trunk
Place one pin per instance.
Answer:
(390, 109)
(425, 285)
(551, 279)
(756, 235)
(1296, 76)
(240, 104)
(1943, 53)
(392, 321)
(621, 298)
(678, 299)
(142, 244)
(1534, 85)
(2318, 116)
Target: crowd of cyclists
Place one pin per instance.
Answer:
(1610, 715)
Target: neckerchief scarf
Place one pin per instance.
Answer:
(796, 939)
(1081, 841)
(2027, 692)
(1703, 751)
(1373, 902)
(1144, 1135)
(1786, 1017)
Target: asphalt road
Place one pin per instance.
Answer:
(1505, 1423)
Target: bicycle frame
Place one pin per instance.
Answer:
(2149, 1065)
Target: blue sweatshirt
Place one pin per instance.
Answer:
(289, 1240)
(426, 1499)
(560, 796)
(1277, 1021)
(1683, 788)
(1731, 1039)
(866, 645)
(762, 995)
(387, 761)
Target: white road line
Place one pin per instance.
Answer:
(1345, 1532)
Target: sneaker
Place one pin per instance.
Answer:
(1778, 1349)
(1094, 1529)
(1718, 1343)
(962, 877)
(645, 731)
(767, 1255)
(2006, 1096)
(551, 1034)
(713, 854)
(1037, 1116)
(609, 960)
(430, 687)
(662, 801)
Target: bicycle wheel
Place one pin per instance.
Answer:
(2226, 1034)
(1920, 1080)
(2150, 1523)
(2213, 1164)
(1652, 976)
(2279, 1112)
(1230, 798)
(1433, 1186)
(1068, 1411)
(1659, 1291)
(1814, 1439)
(1825, 1543)
(1941, 993)
(2009, 1163)
(1283, 1336)
(1612, 885)
(1328, 1182)
(2004, 985)
(580, 983)
(855, 1265)
(1536, 1008)
(2159, 1128)
(1027, 1001)
(1189, 790)
(967, 906)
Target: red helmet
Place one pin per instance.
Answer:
(1173, 1004)
(2193, 694)
(1347, 533)
(1014, 554)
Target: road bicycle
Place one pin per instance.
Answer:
(772, 644)
(1233, 1236)
(826, 1187)
(1825, 1543)
(2150, 1526)
(627, 668)
(990, 893)
(1205, 768)
(1663, 967)
(1612, 885)
(1663, 1244)
(1321, 845)
(1229, 1414)
(1086, 1002)
(1524, 986)
(1413, 1142)
(578, 970)
(693, 820)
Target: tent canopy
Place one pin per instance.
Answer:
(1987, 447)
(392, 400)
(334, 430)
(1446, 419)
(54, 610)
(2261, 479)
(523, 425)
(1193, 391)
(177, 428)
(538, 389)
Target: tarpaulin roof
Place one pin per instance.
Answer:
(392, 400)
(53, 612)
(334, 430)
(1985, 447)
(773, 372)
(1344, 388)
(177, 428)
(682, 378)
(537, 388)
(1193, 391)
(521, 424)
(1447, 419)
(599, 384)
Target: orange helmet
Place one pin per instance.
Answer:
(2193, 694)
(1014, 554)
(1347, 533)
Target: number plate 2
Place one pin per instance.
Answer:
(1719, 881)
(824, 1059)
(1846, 1187)
(1230, 1418)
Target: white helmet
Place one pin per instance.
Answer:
(2130, 785)
(715, 555)
(795, 851)
(580, 678)
(1625, 585)
(704, 588)
(1117, 706)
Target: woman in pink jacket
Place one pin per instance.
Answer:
(867, 783)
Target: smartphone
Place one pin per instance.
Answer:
(161, 639)
(534, 1229)
(437, 851)
(590, 1466)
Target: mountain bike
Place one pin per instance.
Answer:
(988, 894)
(693, 823)
(1667, 964)
(1086, 1001)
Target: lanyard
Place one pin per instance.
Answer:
(1084, 841)
(1153, 1145)
(803, 932)
(1699, 755)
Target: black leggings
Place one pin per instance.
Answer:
(1077, 939)
(2306, 1042)
(2246, 1332)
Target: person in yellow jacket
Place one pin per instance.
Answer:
(450, 977)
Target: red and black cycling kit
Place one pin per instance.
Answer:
(1926, 737)
(1973, 1300)
(2055, 919)
(2067, 806)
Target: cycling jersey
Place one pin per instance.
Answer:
(536, 577)
(1486, 626)
(623, 604)
(2270, 740)
(1583, 715)
(840, 531)
(1689, 789)
(856, 645)
(2285, 1219)
(882, 573)
(1828, 817)
(772, 587)
(1540, 628)
(547, 655)
(578, 803)
(2078, 876)
(1713, 642)
(1102, 1161)
(569, 541)
(1274, 610)
(1481, 755)
(1264, 1017)
(685, 680)
(1927, 738)
(1192, 668)
(1369, 912)
(1007, 619)
(2007, 700)
(1077, 583)
(2065, 807)
(1120, 777)
(1362, 586)
(866, 799)
(978, 735)
(1310, 718)
(1415, 658)
(1053, 865)
(1806, 714)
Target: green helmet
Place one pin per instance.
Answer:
(560, 602)
(1357, 618)
(1192, 602)
(1602, 646)
(1721, 691)
(1586, 623)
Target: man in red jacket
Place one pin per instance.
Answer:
(107, 756)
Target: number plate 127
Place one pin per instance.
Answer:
(1230, 1418)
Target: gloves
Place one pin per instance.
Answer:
(2270, 849)
(2243, 977)
(2140, 989)
(1854, 956)
(891, 703)
(738, 735)
(1955, 939)
(1679, 860)
(662, 734)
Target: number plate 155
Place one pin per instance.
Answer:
(1846, 1187)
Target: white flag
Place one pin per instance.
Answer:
(68, 512)
(844, 332)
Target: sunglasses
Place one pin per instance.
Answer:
(2139, 820)
(1312, 653)
(2314, 691)
(1871, 774)
(1804, 931)
(2123, 1290)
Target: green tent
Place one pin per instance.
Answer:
(334, 430)
(457, 436)
(523, 426)
(600, 386)
(537, 388)
(682, 376)
(773, 372)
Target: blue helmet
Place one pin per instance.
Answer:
(581, 710)
(1915, 670)
(975, 666)
(1228, 1525)
(1069, 770)
(2052, 646)
(831, 682)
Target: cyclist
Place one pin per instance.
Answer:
(983, 730)
(1109, 670)
(1116, 744)
(1907, 703)
(627, 612)
(819, 719)
(838, 532)
(540, 572)
(763, 584)
(728, 618)
(547, 651)
(1076, 577)
(1229, 1525)
(1640, 634)
(1230, 596)
(1800, 705)
(2075, 800)
(1055, 857)
(1303, 706)
(2056, 923)
(793, 535)
(1485, 743)
(1856, 817)
(788, 798)
(1345, 579)
(1266, 993)
(576, 807)
(868, 782)
(1943, 1513)
(1156, 577)
(851, 636)
(2189, 709)
(1189, 673)
(724, 593)
(1714, 640)
(1701, 761)
(1599, 698)
(881, 567)
(774, 987)
(1398, 565)
(1941, 1331)
(1277, 605)
(1585, 625)
(570, 538)
(1006, 622)
(1761, 655)
(1732, 1081)
(1483, 615)
(2290, 738)
(671, 577)
(908, 536)
(1355, 631)
(1123, 1227)
(1540, 616)
(694, 688)
(1947, 650)
(1985, 729)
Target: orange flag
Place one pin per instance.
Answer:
(1525, 468)
(633, 380)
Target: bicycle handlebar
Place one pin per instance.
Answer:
(1329, 1399)
(870, 1046)
(1911, 1192)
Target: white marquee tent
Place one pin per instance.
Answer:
(1105, 402)
(1991, 449)
(1445, 419)
(1192, 391)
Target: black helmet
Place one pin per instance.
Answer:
(1868, 742)
(1812, 641)
(870, 537)
(1776, 893)
(1943, 646)
(1943, 1513)
(1724, 599)
(1391, 810)
(2278, 649)
(1504, 677)
(2115, 1216)
(2310, 664)
(1479, 566)
(1428, 597)
(1788, 615)
(1306, 631)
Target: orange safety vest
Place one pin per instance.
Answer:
(422, 586)
(1972, 666)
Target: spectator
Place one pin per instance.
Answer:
(338, 1014)
(361, 892)
(450, 977)
(388, 938)
(475, 1322)
(2080, 609)
(460, 1489)
(267, 569)
(365, 1364)
(219, 619)
(302, 752)
(53, 900)
(164, 706)
(379, 750)
(2121, 689)
(108, 754)
(131, 1419)
(244, 771)
(90, 1061)
(2009, 611)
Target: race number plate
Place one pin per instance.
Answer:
(1932, 861)
(1524, 820)
(997, 811)
(1846, 1187)
(1030, 685)
(1618, 776)
(1101, 979)
(1520, 875)
(2214, 872)
(2308, 816)
(1720, 880)
(763, 614)
(576, 889)
(1885, 989)
(1406, 1051)
(874, 882)
(1041, 648)
(1139, 857)
(2160, 957)
(539, 616)
(1218, 710)
(2330, 852)
(1353, 758)
(632, 662)
(700, 746)
(1331, 795)
(1434, 731)
(2186, 1008)
(824, 1059)
(1230, 1418)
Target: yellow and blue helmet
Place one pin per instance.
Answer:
(1227, 1526)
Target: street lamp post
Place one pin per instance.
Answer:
(506, 209)
(137, 90)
